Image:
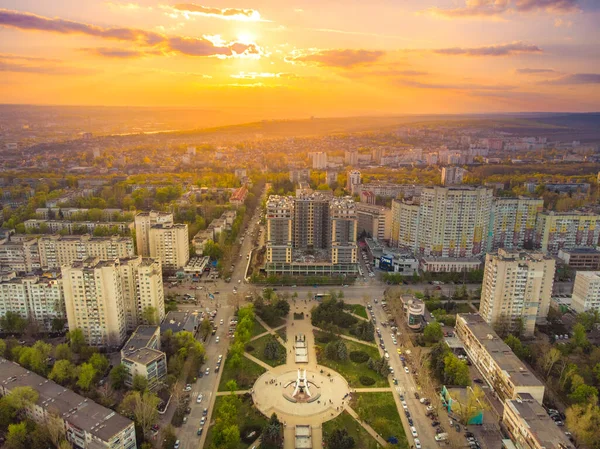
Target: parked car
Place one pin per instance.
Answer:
(177, 444)
(199, 432)
(417, 443)
(413, 431)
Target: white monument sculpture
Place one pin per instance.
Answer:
(301, 384)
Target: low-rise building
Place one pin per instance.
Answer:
(529, 426)
(414, 311)
(581, 258)
(73, 227)
(449, 264)
(502, 369)
(141, 355)
(88, 425)
(179, 322)
(393, 260)
(456, 398)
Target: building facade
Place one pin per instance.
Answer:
(453, 175)
(556, 231)
(141, 356)
(586, 291)
(169, 244)
(353, 180)
(513, 222)
(143, 222)
(21, 256)
(516, 290)
(374, 221)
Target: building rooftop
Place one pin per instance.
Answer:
(179, 321)
(590, 251)
(539, 424)
(521, 255)
(500, 351)
(141, 337)
(81, 412)
(144, 355)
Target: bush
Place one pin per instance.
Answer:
(325, 338)
(359, 356)
(366, 381)
(249, 348)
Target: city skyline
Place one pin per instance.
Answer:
(304, 57)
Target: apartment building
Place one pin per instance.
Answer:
(88, 425)
(512, 222)
(496, 362)
(312, 233)
(405, 224)
(516, 289)
(353, 181)
(73, 227)
(58, 250)
(19, 255)
(36, 298)
(555, 231)
(319, 160)
(169, 244)
(141, 355)
(374, 221)
(106, 298)
(581, 258)
(453, 175)
(143, 222)
(530, 427)
(586, 291)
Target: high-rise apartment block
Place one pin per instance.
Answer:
(311, 230)
(36, 298)
(512, 222)
(451, 221)
(319, 160)
(555, 231)
(374, 221)
(516, 289)
(453, 175)
(20, 255)
(57, 250)
(353, 180)
(169, 244)
(106, 298)
(143, 222)
(351, 158)
(586, 291)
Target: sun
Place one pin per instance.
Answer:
(245, 38)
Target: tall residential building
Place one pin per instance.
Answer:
(143, 222)
(300, 175)
(87, 424)
(280, 230)
(453, 221)
(555, 231)
(453, 175)
(331, 177)
(586, 291)
(58, 250)
(106, 298)
(516, 289)
(319, 160)
(405, 224)
(354, 179)
(351, 158)
(311, 234)
(20, 256)
(374, 221)
(377, 154)
(39, 299)
(512, 222)
(169, 244)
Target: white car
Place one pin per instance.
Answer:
(417, 443)
(413, 431)
(406, 370)
(188, 387)
(404, 405)
(220, 357)
(217, 340)
(199, 399)
(222, 321)
(176, 445)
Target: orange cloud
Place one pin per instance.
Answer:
(242, 15)
(491, 50)
(341, 58)
(492, 8)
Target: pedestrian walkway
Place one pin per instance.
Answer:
(225, 393)
(373, 390)
(356, 340)
(258, 361)
(269, 332)
(367, 427)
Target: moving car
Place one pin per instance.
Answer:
(406, 370)
(199, 399)
(177, 444)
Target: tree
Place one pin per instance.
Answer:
(56, 428)
(272, 349)
(63, 352)
(205, 328)
(140, 383)
(579, 336)
(433, 332)
(2, 348)
(12, 322)
(549, 359)
(583, 393)
(150, 315)
(473, 404)
(62, 372)
(86, 376)
(17, 436)
(99, 362)
(118, 375)
(272, 435)
(143, 406)
(58, 324)
(456, 371)
(21, 397)
(339, 439)
(584, 421)
(521, 351)
(76, 339)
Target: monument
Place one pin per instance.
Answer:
(301, 389)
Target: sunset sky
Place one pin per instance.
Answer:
(315, 57)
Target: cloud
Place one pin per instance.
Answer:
(558, 23)
(26, 58)
(491, 50)
(43, 69)
(119, 53)
(384, 73)
(340, 58)
(470, 86)
(494, 8)
(255, 75)
(576, 78)
(242, 15)
(528, 71)
(178, 44)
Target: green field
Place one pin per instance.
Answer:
(380, 412)
(245, 375)
(350, 370)
(259, 351)
(257, 329)
(283, 333)
(359, 310)
(362, 439)
(248, 415)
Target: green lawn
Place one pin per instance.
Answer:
(283, 333)
(350, 370)
(248, 415)
(259, 351)
(380, 412)
(359, 310)
(245, 375)
(361, 437)
(257, 329)
(275, 322)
